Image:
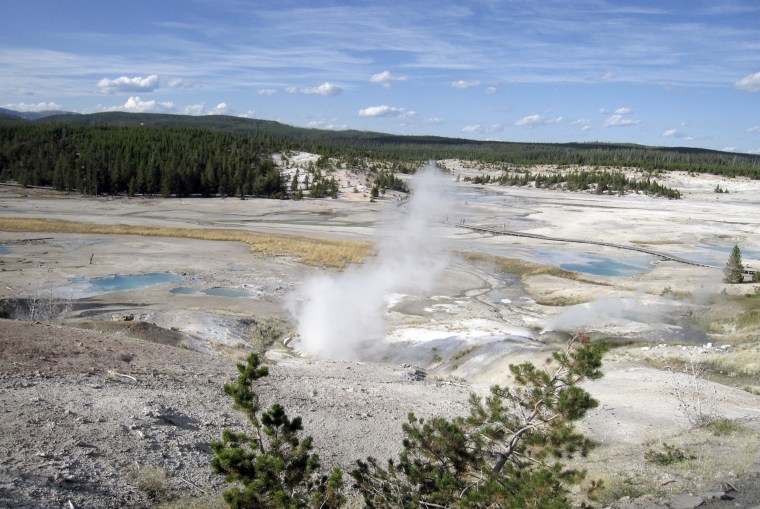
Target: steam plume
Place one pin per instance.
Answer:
(341, 316)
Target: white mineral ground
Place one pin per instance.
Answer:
(465, 328)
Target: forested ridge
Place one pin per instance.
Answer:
(145, 160)
(142, 153)
(609, 182)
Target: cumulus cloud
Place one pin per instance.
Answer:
(385, 111)
(42, 106)
(481, 129)
(325, 88)
(533, 120)
(386, 79)
(489, 90)
(266, 91)
(462, 84)
(219, 109)
(248, 114)
(676, 133)
(136, 105)
(620, 121)
(754, 129)
(200, 109)
(125, 84)
(582, 124)
(750, 83)
(331, 125)
(618, 117)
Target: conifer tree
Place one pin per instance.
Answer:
(733, 272)
(273, 467)
(507, 453)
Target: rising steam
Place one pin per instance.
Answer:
(341, 316)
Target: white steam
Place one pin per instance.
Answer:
(341, 316)
(604, 309)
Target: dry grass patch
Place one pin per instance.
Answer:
(520, 268)
(307, 250)
(205, 502)
(689, 459)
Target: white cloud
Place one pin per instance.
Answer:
(177, 83)
(125, 84)
(754, 129)
(248, 114)
(618, 118)
(533, 120)
(480, 129)
(620, 121)
(619, 111)
(490, 90)
(266, 91)
(462, 84)
(219, 109)
(200, 109)
(385, 111)
(607, 76)
(433, 120)
(582, 124)
(386, 79)
(136, 105)
(33, 107)
(331, 125)
(325, 88)
(750, 83)
(194, 109)
(675, 133)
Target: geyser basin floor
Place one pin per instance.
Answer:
(81, 288)
(211, 292)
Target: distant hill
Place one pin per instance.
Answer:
(34, 115)
(6, 119)
(353, 144)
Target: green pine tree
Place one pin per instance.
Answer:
(733, 272)
(507, 453)
(273, 468)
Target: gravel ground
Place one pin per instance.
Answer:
(83, 413)
(92, 418)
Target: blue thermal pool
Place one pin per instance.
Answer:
(88, 287)
(212, 292)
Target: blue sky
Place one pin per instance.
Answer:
(674, 73)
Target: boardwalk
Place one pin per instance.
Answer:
(495, 230)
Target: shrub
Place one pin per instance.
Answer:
(667, 456)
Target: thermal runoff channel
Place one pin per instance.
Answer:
(342, 316)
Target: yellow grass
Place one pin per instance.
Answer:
(307, 250)
(521, 268)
